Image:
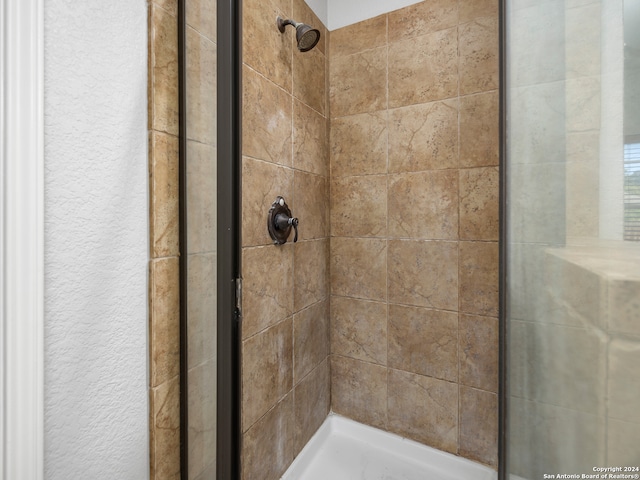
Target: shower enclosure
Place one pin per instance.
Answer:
(383, 139)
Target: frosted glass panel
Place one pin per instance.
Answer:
(201, 222)
(573, 293)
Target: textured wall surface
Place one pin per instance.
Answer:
(96, 243)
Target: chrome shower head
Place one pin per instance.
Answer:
(306, 36)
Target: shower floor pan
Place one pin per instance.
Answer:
(343, 449)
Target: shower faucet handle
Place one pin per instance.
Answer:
(280, 221)
(283, 222)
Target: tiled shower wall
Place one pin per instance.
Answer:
(164, 284)
(285, 344)
(414, 224)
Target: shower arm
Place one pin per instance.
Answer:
(283, 23)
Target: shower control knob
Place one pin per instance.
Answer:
(280, 222)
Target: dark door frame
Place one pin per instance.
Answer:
(503, 332)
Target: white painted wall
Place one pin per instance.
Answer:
(340, 13)
(319, 7)
(96, 240)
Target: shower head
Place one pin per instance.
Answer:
(306, 36)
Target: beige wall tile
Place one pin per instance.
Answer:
(310, 204)
(479, 55)
(311, 272)
(545, 105)
(266, 122)
(310, 140)
(479, 425)
(359, 144)
(355, 38)
(170, 6)
(312, 404)
(359, 329)
(470, 9)
(422, 18)
(163, 74)
(310, 339)
(358, 82)
(201, 16)
(479, 204)
(570, 366)
(201, 197)
(267, 286)
(424, 341)
(479, 130)
(556, 434)
(582, 39)
(262, 182)
(479, 278)
(359, 390)
(583, 184)
(359, 206)
(201, 81)
(358, 267)
(165, 424)
(164, 344)
(424, 409)
(539, 51)
(267, 448)
(202, 417)
(574, 291)
(423, 137)
(424, 68)
(201, 308)
(623, 379)
(208, 472)
(267, 370)
(583, 96)
(623, 305)
(478, 337)
(264, 48)
(163, 190)
(308, 78)
(424, 205)
(424, 273)
(623, 438)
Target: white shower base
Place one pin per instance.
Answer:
(343, 449)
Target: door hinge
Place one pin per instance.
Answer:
(239, 296)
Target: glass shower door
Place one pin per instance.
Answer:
(199, 241)
(573, 259)
(210, 88)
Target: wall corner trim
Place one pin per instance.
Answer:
(22, 239)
